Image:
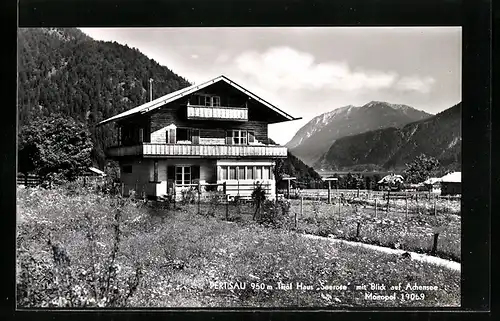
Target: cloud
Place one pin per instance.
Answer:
(287, 68)
(194, 56)
(284, 67)
(222, 58)
(422, 85)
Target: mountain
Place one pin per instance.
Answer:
(391, 148)
(314, 138)
(62, 70)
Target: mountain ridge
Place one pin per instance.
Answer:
(314, 138)
(391, 148)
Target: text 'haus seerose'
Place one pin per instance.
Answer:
(212, 133)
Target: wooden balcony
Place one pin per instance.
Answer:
(198, 151)
(217, 113)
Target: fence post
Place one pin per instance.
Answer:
(288, 189)
(416, 200)
(122, 187)
(358, 193)
(26, 180)
(340, 201)
(295, 220)
(388, 199)
(199, 196)
(435, 208)
(406, 200)
(329, 192)
(174, 192)
(358, 228)
(227, 207)
(435, 244)
(301, 206)
(224, 188)
(375, 207)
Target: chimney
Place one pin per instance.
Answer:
(150, 89)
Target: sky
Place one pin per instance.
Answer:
(308, 71)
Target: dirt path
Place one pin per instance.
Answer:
(414, 256)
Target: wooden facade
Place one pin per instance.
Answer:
(213, 133)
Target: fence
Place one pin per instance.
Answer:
(230, 189)
(29, 180)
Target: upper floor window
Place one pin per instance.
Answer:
(212, 101)
(239, 137)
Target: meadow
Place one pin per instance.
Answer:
(108, 251)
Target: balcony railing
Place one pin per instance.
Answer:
(219, 112)
(215, 151)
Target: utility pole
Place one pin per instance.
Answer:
(150, 89)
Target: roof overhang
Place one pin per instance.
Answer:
(159, 102)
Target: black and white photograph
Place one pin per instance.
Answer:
(239, 167)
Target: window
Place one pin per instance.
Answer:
(182, 134)
(241, 172)
(266, 173)
(249, 172)
(251, 137)
(258, 172)
(216, 101)
(182, 175)
(223, 172)
(232, 172)
(127, 169)
(212, 101)
(239, 137)
(208, 101)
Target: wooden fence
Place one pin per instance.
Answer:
(30, 180)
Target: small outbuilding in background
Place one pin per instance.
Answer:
(92, 176)
(451, 184)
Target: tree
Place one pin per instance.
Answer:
(54, 146)
(421, 169)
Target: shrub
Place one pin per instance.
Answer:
(188, 196)
(274, 213)
(258, 197)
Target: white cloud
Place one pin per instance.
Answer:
(414, 83)
(287, 68)
(194, 56)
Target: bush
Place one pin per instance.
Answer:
(188, 196)
(274, 213)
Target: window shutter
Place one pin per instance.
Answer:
(171, 173)
(155, 171)
(172, 136)
(251, 137)
(229, 137)
(196, 136)
(195, 172)
(141, 135)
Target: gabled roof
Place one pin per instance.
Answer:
(157, 103)
(432, 180)
(97, 171)
(455, 177)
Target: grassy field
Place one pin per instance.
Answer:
(131, 254)
(413, 231)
